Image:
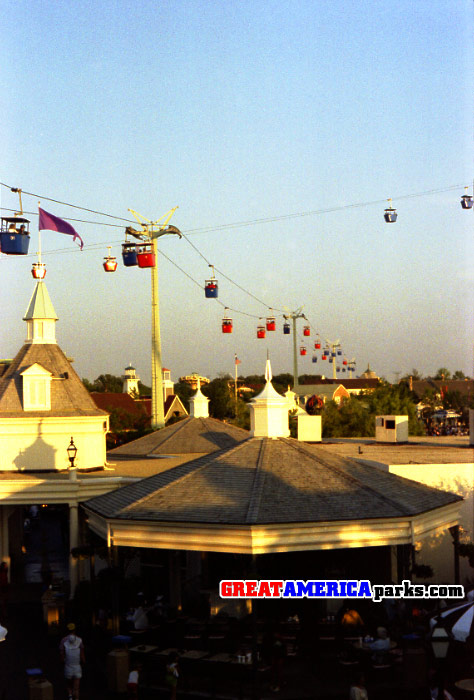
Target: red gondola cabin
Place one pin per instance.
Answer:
(306, 331)
(146, 256)
(271, 323)
(302, 350)
(110, 263)
(38, 271)
(227, 324)
(261, 332)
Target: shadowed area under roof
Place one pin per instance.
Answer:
(189, 436)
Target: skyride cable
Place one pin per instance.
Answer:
(221, 227)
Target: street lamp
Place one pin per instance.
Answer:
(71, 453)
(440, 642)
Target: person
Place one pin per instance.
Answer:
(172, 674)
(132, 684)
(139, 618)
(71, 650)
(358, 691)
(381, 646)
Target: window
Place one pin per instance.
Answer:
(390, 425)
(36, 388)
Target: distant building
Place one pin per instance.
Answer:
(336, 389)
(130, 381)
(139, 407)
(327, 392)
(168, 385)
(369, 374)
(192, 380)
(43, 402)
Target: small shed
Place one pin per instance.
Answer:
(391, 429)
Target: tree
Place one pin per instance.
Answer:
(414, 374)
(355, 416)
(442, 373)
(284, 379)
(221, 401)
(459, 374)
(184, 392)
(105, 383)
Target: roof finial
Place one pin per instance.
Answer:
(268, 370)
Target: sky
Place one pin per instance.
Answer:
(266, 123)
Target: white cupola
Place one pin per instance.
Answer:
(199, 404)
(40, 317)
(269, 411)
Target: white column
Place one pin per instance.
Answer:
(73, 542)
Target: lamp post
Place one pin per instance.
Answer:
(71, 453)
(440, 642)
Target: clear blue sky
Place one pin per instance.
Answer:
(236, 112)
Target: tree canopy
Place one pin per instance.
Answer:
(355, 416)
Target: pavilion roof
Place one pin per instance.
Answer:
(188, 436)
(261, 481)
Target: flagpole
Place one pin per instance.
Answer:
(235, 384)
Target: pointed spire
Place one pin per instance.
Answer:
(268, 370)
(269, 410)
(199, 404)
(40, 316)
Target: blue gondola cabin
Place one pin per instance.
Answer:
(211, 289)
(14, 235)
(129, 254)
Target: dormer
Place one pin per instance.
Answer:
(36, 388)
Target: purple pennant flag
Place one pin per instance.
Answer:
(54, 223)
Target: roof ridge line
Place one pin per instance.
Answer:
(257, 486)
(180, 426)
(348, 477)
(188, 468)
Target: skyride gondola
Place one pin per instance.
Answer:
(390, 214)
(14, 231)
(211, 286)
(466, 200)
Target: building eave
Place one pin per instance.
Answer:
(273, 538)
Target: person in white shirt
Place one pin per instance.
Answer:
(71, 650)
(358, 691)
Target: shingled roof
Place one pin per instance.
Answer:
(69, 397)
(262, 481)
(189, 436)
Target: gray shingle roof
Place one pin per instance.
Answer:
(189, 436)
(69, 397)
(270, 481)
